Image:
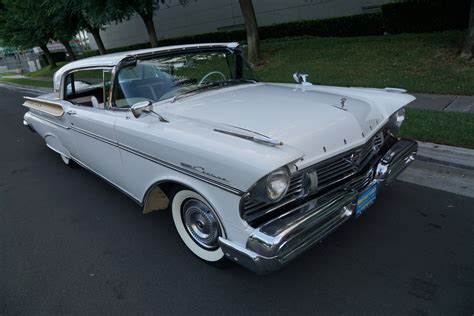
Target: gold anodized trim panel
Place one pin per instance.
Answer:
(45, 106)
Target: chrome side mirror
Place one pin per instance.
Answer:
(301, 78)
(141, 107)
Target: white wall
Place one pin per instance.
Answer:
(202, 16)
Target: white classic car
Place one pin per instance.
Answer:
(251, 172)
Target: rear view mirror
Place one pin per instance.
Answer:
(141, 107)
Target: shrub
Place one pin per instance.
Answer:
(423, 16)
(356, 25)
(57, 57)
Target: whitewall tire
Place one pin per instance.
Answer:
(197, 225)
(67, 161)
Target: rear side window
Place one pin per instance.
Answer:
(88, 88)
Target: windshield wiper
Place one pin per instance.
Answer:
(212, 85)
(202, 87)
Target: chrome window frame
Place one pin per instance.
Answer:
(151, 55)
(111, 69)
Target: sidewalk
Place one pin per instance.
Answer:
(448, 103)
(442, 167)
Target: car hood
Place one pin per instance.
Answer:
(310, 119)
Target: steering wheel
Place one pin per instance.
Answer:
(203, 80)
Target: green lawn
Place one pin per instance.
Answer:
(45, 71)
(417, 62)
(449, 128)
(8, 74)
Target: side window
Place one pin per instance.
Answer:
(88, 87)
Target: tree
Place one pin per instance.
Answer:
(66, 28)
(89, 15)
(468, 49)
(25, 24)
(124, 9)
(146, 10)
(251, 26)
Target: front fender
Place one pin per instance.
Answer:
(196, 149)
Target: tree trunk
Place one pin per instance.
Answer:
(49, 57)
(98, 40)
(150, 27)
(252, 30)
(468, 50)
(69, 49)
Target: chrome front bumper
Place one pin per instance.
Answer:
(282, 239)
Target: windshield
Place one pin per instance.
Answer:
(175, 75)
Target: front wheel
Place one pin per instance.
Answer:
(198, 226)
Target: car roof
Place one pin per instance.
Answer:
(111, 60)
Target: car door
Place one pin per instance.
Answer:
(92, 124)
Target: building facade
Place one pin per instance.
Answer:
(203, 16)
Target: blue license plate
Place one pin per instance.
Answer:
(366, 198)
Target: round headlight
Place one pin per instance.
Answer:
(277, 184)
(397, 118)
(272, 187)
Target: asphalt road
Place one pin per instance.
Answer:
(72, 244)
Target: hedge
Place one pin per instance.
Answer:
(423, 16)
(413, 16)
(356, 25)
(57, 57)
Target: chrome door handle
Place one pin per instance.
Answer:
(71, 112)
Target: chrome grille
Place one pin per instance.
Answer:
(330, 172)
(346, 165)
(362, 181)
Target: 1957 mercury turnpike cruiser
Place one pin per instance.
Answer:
(251, 172)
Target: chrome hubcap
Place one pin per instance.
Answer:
(201, 223)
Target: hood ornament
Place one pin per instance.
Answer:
(342, 104)
(302, 78)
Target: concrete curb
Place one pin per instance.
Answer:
(25, 87)
(445, 103)
(446, 155)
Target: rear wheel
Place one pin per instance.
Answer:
(68, 161)
(198, 226)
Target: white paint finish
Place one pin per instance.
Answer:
(143, 174)
(305, 118)
(196, 143)
(136, 153)
(101, 157)
(53, 130)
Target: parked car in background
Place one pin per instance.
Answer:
(251, 172)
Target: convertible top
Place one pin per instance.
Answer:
(111, 60)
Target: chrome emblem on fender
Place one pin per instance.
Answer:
(342, 105)
(203, 171)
